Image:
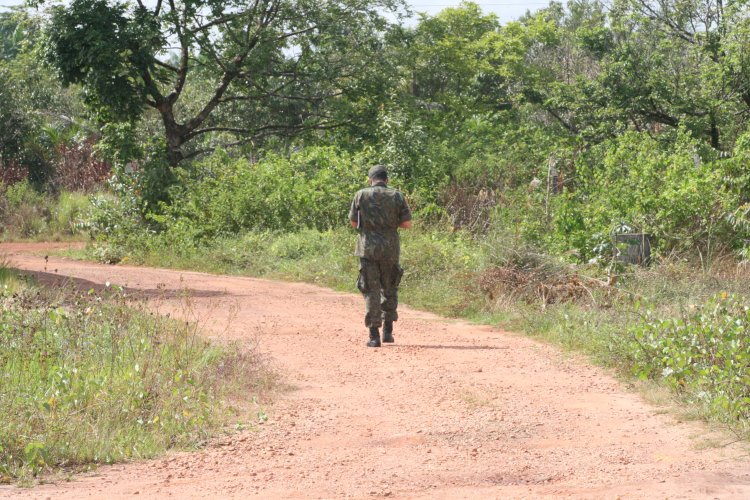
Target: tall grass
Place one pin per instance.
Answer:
(90, 378)
(26, 213)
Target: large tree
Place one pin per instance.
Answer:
(274, 65)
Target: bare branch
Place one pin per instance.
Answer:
(217, 21)
(165, 65)
(265, 131)
(184, 56)
(232, 70)
(569, 126)
(295, 33)
(235, 130)
(208, 48)
(654, 15)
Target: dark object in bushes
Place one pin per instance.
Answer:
(632, 248)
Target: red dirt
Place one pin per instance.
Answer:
(452, 410)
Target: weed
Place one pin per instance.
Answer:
(26, 213)
(93, 378)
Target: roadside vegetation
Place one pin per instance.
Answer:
(90, 378)
(27, 214)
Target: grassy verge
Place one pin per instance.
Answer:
(91, 378)
(27, 214)
(669, 324)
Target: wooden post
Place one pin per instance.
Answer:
(551, 179)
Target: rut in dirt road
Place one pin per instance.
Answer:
(451, 410)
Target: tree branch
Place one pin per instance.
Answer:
(184, 53)
(295, 33)
(662, 18)
(569, 126)
(165, 65)
(264, 132)
(233, 70)
(236, 130)
(216, 22)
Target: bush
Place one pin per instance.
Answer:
(77, 168)
(672, 190)
(704, 355)
(27, 213)
(223, 196)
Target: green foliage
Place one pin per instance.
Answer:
(663, 188)
(15, 124)
(704, 355)
(311, 188)
(27, 213)
(271, 68)
(95, 43)
(91, 379)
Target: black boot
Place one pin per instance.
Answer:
(374, 338)
(388, 332)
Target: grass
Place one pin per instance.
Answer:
(91, 378)
(448, 273)
(26, 214)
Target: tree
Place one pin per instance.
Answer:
(36, 114)
(274, 64)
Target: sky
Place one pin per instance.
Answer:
(506, 10)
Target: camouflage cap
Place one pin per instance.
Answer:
(377, 172)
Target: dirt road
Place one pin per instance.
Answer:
(451, 410)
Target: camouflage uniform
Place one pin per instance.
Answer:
(378, 210)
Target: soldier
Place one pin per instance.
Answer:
(377, 212)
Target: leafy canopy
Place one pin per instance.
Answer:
(217, 71)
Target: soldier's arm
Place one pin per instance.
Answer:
(354, 214)
(404, 214)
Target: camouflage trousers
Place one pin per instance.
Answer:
(378, 281)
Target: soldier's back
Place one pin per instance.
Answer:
(380, 208)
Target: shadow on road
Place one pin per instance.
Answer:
(62, 281)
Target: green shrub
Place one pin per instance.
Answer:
(69, 213)
(704, 355)
(224, 196)
(671, 189)
(27, 213)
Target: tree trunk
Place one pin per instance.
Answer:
(714, 133)
(175, 134)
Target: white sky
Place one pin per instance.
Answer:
(506, 10)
